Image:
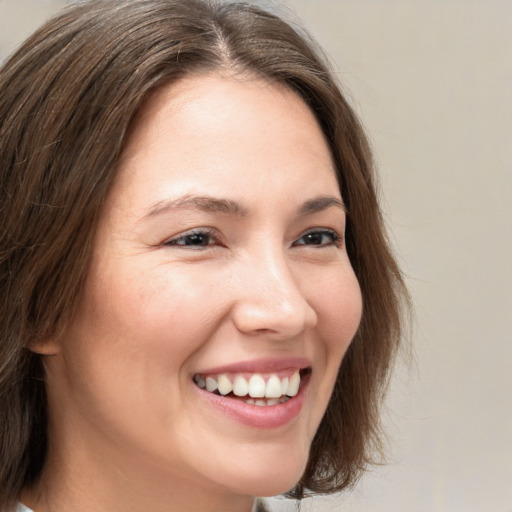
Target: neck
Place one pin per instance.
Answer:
(41, 498)
(85, 484)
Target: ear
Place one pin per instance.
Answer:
(47, 347)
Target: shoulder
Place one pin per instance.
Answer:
(260, 506)
(22, 508)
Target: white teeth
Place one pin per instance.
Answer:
(240, 386)
(224, 384)
(257, 386)
(268, 401)
(284, 386)
(199, 381)
(211, 384)
(273, 389)
(293, 386)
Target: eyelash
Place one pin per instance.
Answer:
(197, 233)
(334, 238)
(209, 235)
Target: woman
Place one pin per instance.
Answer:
(200, 305)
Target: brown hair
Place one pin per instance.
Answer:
(67, 100)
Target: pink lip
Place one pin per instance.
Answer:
(271, 416)
(260, 366)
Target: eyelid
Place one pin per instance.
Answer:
(215, 238)
(208, 231)
(337, 242)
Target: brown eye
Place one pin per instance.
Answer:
(196, 239)
(192, 239)
(319, 237)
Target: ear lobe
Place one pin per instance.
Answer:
(48, 347)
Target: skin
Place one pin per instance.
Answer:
(128, 429)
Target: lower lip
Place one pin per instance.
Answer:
(266, 416)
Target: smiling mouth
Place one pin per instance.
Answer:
(254, 388)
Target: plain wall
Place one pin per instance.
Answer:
(431, 80)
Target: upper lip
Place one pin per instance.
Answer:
(263, 365)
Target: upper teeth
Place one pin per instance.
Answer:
(256, 386)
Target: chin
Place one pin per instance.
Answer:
(272, 483)
(275, 486)
(271, 474)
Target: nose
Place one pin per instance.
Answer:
(270, 300)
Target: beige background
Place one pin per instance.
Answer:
(432, 80)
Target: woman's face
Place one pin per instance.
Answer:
(219, 261)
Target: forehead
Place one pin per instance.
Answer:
(224, 131)
(214, 103)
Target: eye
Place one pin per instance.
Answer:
(194, 239)
(319, 238)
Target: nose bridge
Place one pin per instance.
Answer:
(270, 298)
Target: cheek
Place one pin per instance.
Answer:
(338, 303)
(134, 332)
(152, 309)
(336, 297)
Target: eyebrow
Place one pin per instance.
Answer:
(231, 207)
(319, 204)
(203, 203)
